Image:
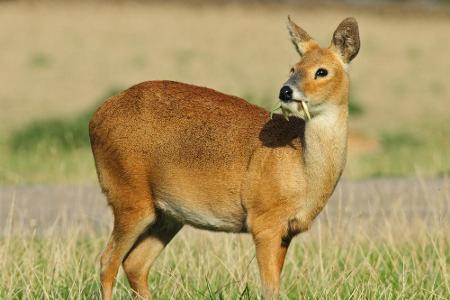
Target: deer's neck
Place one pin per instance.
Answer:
(324, 153)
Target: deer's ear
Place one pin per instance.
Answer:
(300, 38)
(346, 40)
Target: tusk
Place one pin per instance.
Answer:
(287, 111)
(305, 109)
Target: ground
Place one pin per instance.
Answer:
(385, 238)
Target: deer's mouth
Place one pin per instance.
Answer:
(296, 107)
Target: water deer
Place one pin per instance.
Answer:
(170, 154)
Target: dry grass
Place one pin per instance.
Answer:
(382, 239)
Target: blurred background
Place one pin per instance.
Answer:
(59, 60)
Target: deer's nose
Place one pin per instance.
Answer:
(286, 93)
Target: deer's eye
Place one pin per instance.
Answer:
(321, 73)
(291, 72)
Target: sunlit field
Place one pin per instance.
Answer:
(377, 239)
(385, 233)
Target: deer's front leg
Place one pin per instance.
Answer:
(271, 251)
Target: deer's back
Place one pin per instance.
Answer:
(191, 125)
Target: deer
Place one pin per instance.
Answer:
(170, 154)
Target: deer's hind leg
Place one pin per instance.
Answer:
(134, 213)
(150, 244)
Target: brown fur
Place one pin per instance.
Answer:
(169, 154)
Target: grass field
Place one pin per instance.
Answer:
(377, 239)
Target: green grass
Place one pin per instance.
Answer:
(392, 140)
(46, 165)
(354, 107)
(56, 134)
(52, 265)
(370, 245)
(50, 150)
(421, 149)
(40, 61)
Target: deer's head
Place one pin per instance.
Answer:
(320, 79)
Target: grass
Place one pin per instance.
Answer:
(50, 150)
(56, 133)
(359, 248)
(62, 267)
(46, 165)
(354, 106)
(40, 61)
(422, 150)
